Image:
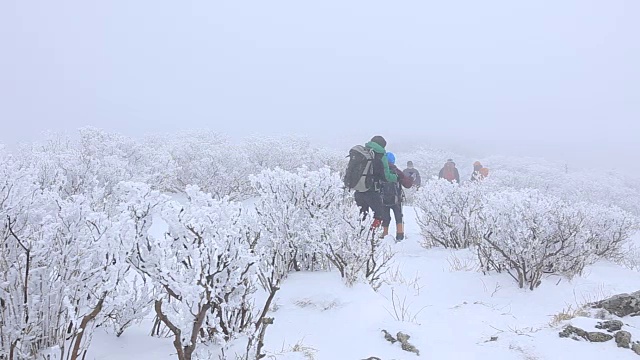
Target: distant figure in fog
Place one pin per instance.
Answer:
(412, 173)
(450, 172)
(479, 172)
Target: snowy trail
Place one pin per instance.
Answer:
(456, 312)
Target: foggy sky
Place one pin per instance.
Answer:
(559, 79)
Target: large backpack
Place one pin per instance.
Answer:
(359, 174)
(391, 194)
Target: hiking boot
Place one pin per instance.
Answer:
(399, 232)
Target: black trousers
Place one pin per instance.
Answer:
(397, 213)
(372, 200)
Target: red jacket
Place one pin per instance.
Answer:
(406, 181)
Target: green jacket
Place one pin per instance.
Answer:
(388, 175)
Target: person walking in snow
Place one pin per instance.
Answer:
(450, 172)
(479, 172)
(368, 180)
(392, 197)
(412, 173)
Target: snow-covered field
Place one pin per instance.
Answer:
(450, 310)
(98, 236)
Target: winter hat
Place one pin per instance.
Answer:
(379, 140)
(391, 157)
(410, 163)
(477, 163)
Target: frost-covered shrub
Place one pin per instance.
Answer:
(356, 251)
(608, 188)
(447, 213)
(347, 242)
(98, 160)
(310, 223)
(206, 269)
(292, 210)
(210, 161)
(132, 301)
(287, 152)
(61, 263)
(608, 230)
(527, 233)
(524, 235)
(336, 161)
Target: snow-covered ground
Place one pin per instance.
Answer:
(450, 310)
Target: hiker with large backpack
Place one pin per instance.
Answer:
(413, 173)
(392, 198)
(450, 172)
(367, 170)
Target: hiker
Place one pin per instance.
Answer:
(479, 172)
(450, 172)
(392, 199)
(413, 173)
(368, 169)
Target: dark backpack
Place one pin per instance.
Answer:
(359, 174)
(391, 194)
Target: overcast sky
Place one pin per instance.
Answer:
(559, 79)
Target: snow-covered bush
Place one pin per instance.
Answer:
(347, 242)
(293, 210)
(448, 213)
(350, 244)
(310, 223)
(336, 161)
(131, 302)
(527, 233)
(19, 194)
(286, 152)
(524, 232)
(96, 160)
(208, 160)
(608, 188)
(61, 262)
(206, 269)
(608, 230)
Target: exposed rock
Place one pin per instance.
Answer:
(410, 348)
(623, 339)
(406, 346)
(389, 337)
(576, 333)
(636, 347)
(621, 305)
(598, 337)
(572, 331)
(611, 325)
(402, 337)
